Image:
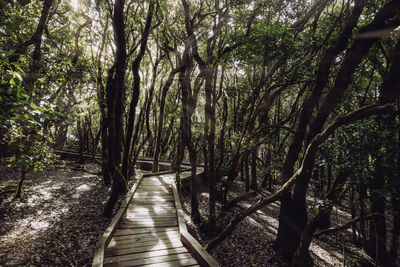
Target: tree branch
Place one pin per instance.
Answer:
(348, 118)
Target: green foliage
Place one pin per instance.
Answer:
(23, 134)
(12, 94)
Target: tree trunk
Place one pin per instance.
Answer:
(388, 93)
(353, 57)
(136, 90)
(306, 163)
(254, 169)
(115, 88)
(376, 244)
(36, 38)
(247, 172)
(80, 139)
(302, 257)
(221, 141)
(395, 197)
(161, 119)
(21, 183)
(101, 101)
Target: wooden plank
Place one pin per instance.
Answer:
(140, 215)
(128, 225)
(147, 221)
(155, 190)
(118, 245)
(143, 242)
(152, 207)
(146, 237)
(156, 225)
(153, 260)
(98, 256)
(157, 185)
(144, 220)
(143, 232)
(159, 212)
(128, 243)
(164, 172)
(99, 253)
(170, 175)
(153, 194)
(155, 182)
(179, 211)
(124, 251)
(198, 252)
(154, 202)
(150, 218)
(164, 179)
(183, 262)
(150, 212)
(153, 199)
(145, 255)
(152, 187)
(149, 230)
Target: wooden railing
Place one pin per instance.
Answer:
(197, 251)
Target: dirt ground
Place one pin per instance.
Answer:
(252, 240)
(58, 219)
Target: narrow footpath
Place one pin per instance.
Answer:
(148, 233)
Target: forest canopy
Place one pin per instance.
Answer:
(297, 96)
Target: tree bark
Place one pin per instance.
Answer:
(36, 38)
(136, 89)
(115, 92)
(294, 210)
(161, 119)
(388, 93)
(254, 169)
(346, 119)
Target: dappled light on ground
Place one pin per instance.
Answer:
(53, 222)
(252, 240)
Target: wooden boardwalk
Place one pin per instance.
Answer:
(149, 233)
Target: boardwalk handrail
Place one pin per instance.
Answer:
(98, 257)
(70, 153)
(197, 251)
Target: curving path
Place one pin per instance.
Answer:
(150, 230)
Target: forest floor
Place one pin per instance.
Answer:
(57, 221)
(251, 243)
